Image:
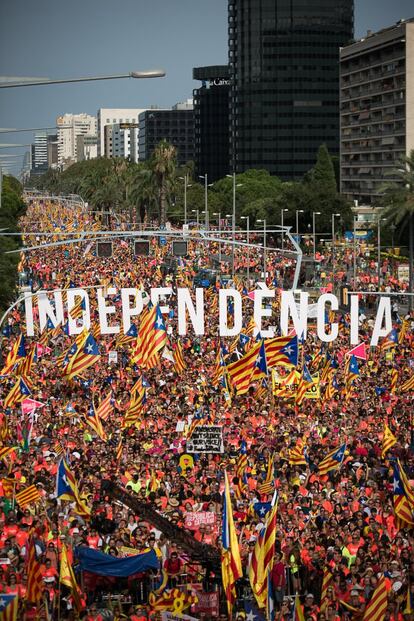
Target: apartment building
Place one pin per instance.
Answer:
(376, 109)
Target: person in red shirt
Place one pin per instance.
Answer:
(278, 577)
(172, 567)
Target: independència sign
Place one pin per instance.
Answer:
(116, 309)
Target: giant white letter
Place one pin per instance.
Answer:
(127, 310)
(354, 336)
(322, 335)
(104, 311)
(184, 303)
(71, 294)
(384, 309)
(290, 309)
(158, 292)
(28, 309)
(259, 312)
(224, 295)
(46, 310)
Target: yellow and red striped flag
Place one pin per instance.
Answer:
(86, 355)
(377, 605)
(327, 581)
(394, 381)
(408, 386)
(152, 337)
(179, 362)
(105, 408)
(264, 553)
(27, 496)
(332, 461)
(8, 485)
(5, 451)
(34, 576)
(9, 605)
(67, 577)
(403, 497)
(297, 456)
(305, 382)
(119, 451)
(269, 484)
(19, 392)
(240, 372)
(388, 441)
(231, 567)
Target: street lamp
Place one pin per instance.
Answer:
(393, 229)
(196, 211)
(355, 251)
(379, 251)
(264, 247)
(218, 213)
(247, 218)
(152, 73)
(314, 213)
(282, 224)
(206, 186)
(298, 211)
(334, 215)
(186, 185)
(233, 176)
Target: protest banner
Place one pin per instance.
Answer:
(206, 439)
(194, 520)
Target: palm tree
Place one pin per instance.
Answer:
(163, 167)
(398, 198)
(142, 193)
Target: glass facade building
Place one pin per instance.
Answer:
(211, 121)
(284, 66)
(176, 126)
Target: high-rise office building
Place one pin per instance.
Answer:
(175, 125)
(69, 127)
(377, 109)
(39, 153)
(118, 125)
(284, 66)
(211, 121)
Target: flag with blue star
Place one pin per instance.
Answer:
(403, 497)
(67, 489)
(262, 509)
(252, 611)
(87, 354)
(390, 341)
(332, 461)
(9, 604)
(282, 350)
(260, 365)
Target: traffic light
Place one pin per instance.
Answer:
(179, 248)
(104, 249)
(141, 248)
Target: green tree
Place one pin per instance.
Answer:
(322, 175)
(163, 163)
(12, 208)
(398, 202)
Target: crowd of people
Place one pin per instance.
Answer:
(342, 521)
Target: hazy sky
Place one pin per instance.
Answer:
(74, 38)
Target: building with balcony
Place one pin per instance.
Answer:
(284, 71)
(376, 109)
(118, 129)
(69, 127)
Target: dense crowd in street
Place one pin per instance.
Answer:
(342, 522)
